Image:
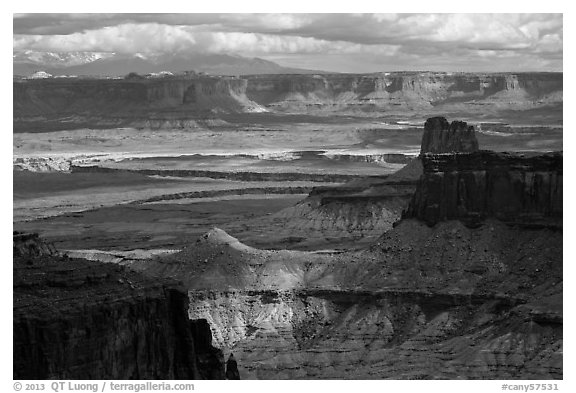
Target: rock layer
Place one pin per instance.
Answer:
(341, 334)
(195, 101)
(351, 215)
(336, 217)
(397, 90)
(444, 302)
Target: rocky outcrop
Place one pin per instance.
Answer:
(29, 245)
(443, 137)
(358, 212)
(42, 164)
(350, 215)
(232, 368)
(210, 359)
(77, 319)
(514, 188)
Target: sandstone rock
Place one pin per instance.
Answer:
(448, 302)
(362, 209)
(515, 188)
(443, 137)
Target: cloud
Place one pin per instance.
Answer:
(372, 38)
(159, 38)
(63, 24)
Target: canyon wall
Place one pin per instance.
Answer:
(399, 90)
(448, 302)
(434, 86)
(514, 188)
(172, 101)
(95, 96)
(76, 319)
(347, 335)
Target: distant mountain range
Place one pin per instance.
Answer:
(26, 63)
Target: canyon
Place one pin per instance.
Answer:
(315, 226)
(441, 301)
(459, 287)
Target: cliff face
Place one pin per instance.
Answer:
(131, 99)
(443, 137)
(443, 302)
(399, 90)
(76, 319)
(345, 335)
(470, 187)
(170, 101)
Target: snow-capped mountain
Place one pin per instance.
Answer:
(26, 63)
(58, 59)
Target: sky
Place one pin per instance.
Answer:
(329, 42)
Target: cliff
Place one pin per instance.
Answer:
(401, 90)
(435, 87)
(172, 101)
(514, 188)
(448, 302)
(443, 137)
(122, 102)
(76, 319)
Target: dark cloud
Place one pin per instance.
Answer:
(64, 24)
